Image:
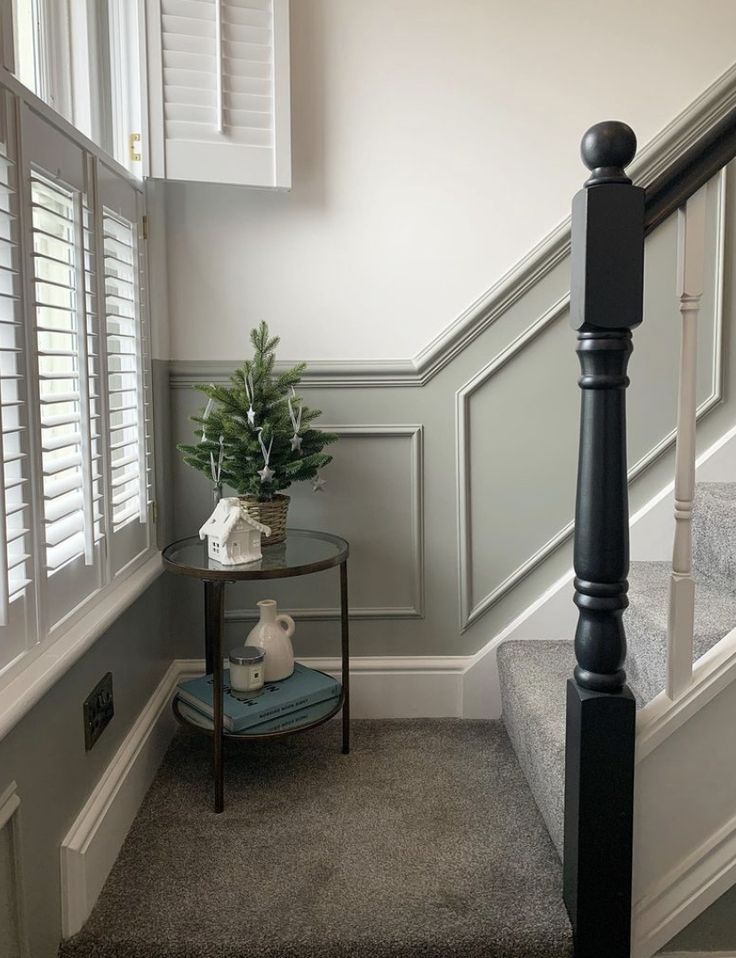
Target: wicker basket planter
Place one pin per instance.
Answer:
(272, 513)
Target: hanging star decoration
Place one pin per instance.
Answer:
(206, 415)
(296, 422)
(318, 484)
(266, 473)
(217, 469)
(251, 414)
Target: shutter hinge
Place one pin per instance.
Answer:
(145, 226)
(134, 147)
(154, 511)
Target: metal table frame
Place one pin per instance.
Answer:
(215, 580)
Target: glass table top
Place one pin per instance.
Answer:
(303, 551)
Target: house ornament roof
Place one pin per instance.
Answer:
(228, 513)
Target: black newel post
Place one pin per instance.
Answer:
(606, 304)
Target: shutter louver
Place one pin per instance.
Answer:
(15, 532)
(70, 476)
(128, 425)
(225, 92)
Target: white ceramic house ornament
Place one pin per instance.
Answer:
(233, 537)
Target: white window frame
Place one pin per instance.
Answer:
(88, 67)
(125, 21)
(60, 643)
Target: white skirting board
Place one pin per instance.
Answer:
(685, 892)
(91, 846)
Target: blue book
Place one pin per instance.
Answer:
(241, 711)
(289, 720)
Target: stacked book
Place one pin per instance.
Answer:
(303, 698)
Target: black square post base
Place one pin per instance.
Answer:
(599, 806)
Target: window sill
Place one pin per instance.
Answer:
(33, 681)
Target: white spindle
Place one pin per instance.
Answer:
(690, 269)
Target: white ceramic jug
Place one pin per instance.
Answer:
(273, 634)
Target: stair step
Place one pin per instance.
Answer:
(646, 624)
(533, 678)
(714, 532)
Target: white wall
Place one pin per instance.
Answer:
(434, 144)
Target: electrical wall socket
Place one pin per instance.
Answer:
(98, 709)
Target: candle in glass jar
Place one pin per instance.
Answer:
(246, 668)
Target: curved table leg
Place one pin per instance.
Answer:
(214, 624)
(345, 657)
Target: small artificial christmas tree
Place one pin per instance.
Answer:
(256, 434)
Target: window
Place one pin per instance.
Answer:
(215, 78)
(75, 392)
(82, 58)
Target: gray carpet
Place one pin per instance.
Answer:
(533, 679)
(646, 623)
(533, 674)
(425, 841)
(714, 532)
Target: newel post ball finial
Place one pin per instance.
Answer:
(607, 148)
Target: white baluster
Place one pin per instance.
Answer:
(690, 268)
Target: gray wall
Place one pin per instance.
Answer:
(44, 754)
(457, 496)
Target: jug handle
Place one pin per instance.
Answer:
(287, 624)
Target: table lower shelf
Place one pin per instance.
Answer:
(300, 721)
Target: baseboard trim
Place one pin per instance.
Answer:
(93, 843)
(394, 687)
(414, 687)
(712, 673)
(685, 891)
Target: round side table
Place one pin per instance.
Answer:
(302, 553)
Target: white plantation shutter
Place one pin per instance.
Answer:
(219, 91)
(124, 372)
(76, 446)
(128, 370)
(70, 477)
(16, 541)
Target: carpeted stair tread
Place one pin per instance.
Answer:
(714, 532)
(646, 624)
(533, 677)
(424, 841)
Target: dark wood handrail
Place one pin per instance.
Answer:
(671, 189)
